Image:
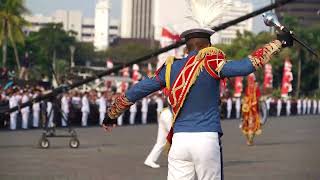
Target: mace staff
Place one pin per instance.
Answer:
(64, 88)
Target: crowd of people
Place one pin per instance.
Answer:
(231, 106)
(80, 108)
(87, 108)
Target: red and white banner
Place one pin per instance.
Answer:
(109, 64)
(136, 76)
(238, 86)
(168, 37)
(287, 77)
(268, 77)
(223, 87)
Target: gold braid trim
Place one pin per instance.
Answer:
(263, 55)
(120, 104)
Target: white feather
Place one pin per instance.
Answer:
(205, 12)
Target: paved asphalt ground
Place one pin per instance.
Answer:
(288, 149)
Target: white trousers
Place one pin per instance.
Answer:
(144, 117)
(132, 117)
(64, 118)
(164, 125)
(299, 110)
(25, 119)
(229, 112)
(120, 120)
(195, 153)
(13, 120)
(84, 120)
(101, 117)
(36, 118)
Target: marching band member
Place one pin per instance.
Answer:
(25, 111)
(36, 110)
(85, 109)
(164, 125)
(144, 109)
(65, 101)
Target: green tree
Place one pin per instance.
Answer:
(53, 43)
(11, 24)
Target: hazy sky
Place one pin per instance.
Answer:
(47, 7)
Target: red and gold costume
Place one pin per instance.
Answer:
(250, 110)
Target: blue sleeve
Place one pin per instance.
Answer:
(147, 86)
(234, 68)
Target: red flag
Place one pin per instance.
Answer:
(287, 77)
(166, 33)
(223, 87)
(268, 77)
(238, 86)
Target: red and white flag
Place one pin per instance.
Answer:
(109, 64)
(268, 77)
(168, 37)
(238, 86)
(136, 76)
(287, 77)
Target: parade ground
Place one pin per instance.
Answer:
(288, 149)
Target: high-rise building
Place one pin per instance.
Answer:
(307, 11)
(84, 27)
(136, 19)
(235, 9)
(143, 18)
(101, 35)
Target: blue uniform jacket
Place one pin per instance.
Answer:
(200, 112)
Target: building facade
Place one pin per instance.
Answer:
(101, 35)
(235, 10)
(172, 15)
(306, 11)
(137, 19)
(107, 30)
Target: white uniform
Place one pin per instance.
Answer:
(65, 110)
(164, 124)
(229, 107)
(288, 107)
(120, 120)
(50, 114)
(319, 106)
(13, 102)
(102, 108)
(133, 112)
(159, 102)
(299, 106)
(85, 109)
(309, 106)
(314, 106)
(238, 107)
(144, 110)
(25, 112)
(279, 106)
(304, 106)
(35, 112)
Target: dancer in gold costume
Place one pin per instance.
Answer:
(250, 110)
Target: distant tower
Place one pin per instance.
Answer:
(126, 18)
(101, 34)
(136, 19)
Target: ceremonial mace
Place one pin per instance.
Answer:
(270, 19)
(66, 87)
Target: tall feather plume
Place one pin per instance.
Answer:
(205, 12)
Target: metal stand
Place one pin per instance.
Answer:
(50, 132)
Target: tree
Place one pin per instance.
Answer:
(53, 43)
(11, 26)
